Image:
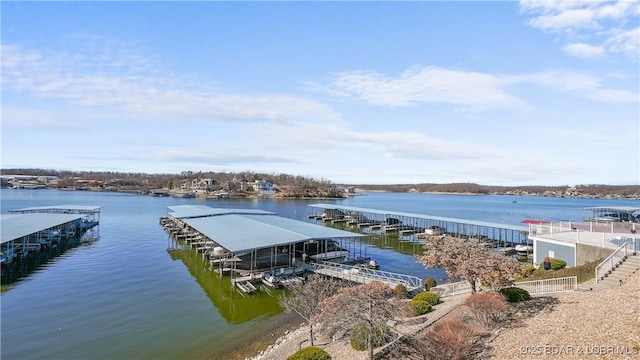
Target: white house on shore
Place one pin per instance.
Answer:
(264, 187)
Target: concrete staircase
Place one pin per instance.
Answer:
(620, 273)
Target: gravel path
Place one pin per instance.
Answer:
(601, 324)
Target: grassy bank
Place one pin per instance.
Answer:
(584, 272)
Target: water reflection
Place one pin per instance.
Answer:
(25, 264)
(233, 306)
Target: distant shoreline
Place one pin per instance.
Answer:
(363, 192)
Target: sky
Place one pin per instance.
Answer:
(495, 93)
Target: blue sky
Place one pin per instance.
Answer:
(496, 93)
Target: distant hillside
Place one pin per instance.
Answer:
(592, 190)
(302, 186)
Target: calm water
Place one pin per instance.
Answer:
(128, 296)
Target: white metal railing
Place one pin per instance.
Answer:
(451, 289)
(614, 259)
(363, 274)
(549, 286)
(592, 226)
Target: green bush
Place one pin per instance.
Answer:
(429, 283)
(310, 353)
(420, 307)
(423, 302)
(430, 297)
(556, 264)
(515, 294)
(400, 291)
(381, 335)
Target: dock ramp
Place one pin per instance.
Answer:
(363, 275)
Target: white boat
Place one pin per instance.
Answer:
(271, 280)
(507, 250)
(7, 256)
(524, 249)
(371, 264)
(330, 255)
(434, 230)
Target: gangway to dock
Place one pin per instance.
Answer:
(364, 275)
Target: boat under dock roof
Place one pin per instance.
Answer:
(485, 224)
(15, 226)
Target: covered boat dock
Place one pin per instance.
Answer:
(31, 229)
(250, 243)
(257, 240)
(413, 227)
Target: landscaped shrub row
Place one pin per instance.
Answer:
(423, 302)
(556, 264)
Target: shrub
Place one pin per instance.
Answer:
(381, 335)
(515, 294)
(448, 340)
(400, 291)
(528, 270)
(310, 353)
(423, 302)
(429, 283)
(556, 264)
(430, 297)
(420, 307)
(489, 308)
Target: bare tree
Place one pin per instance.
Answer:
(305, 298)
(369, 305)
(467, 260)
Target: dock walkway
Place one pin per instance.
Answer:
(364, 275)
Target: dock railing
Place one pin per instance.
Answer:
(549, 286)
(452, 289)
(614, 259)
(364, 275)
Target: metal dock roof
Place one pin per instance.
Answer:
(58, 208)
(193, 211)
(420, 216)
(15, 226)
(239, 230)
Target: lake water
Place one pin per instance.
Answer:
(128, 296)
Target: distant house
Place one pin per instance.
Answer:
(202, 185)
(264, 187)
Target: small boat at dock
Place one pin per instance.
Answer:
(434, 230)
(271, 280)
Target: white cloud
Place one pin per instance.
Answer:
(624, 42)
(584, 50)
(32, 118)
(609, 25)
(132, 84)
(431, 85)
(468, 90)
(579, 84)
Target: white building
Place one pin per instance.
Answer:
(264, 187)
